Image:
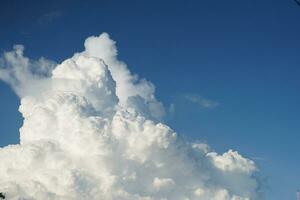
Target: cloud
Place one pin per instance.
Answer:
(172, 109)
(49, 17)
(201, 101)
(92, 130)
(23, 74)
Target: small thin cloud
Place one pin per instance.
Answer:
(201, 101)
(172, 108)
(257, 158)
(49, 17)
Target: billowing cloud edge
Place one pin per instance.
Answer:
(93, 130)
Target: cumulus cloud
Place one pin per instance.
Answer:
(23, 74)
(92, 130)
(201, 101)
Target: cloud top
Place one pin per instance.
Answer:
(93, 130)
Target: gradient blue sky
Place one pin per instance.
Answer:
(244, 55)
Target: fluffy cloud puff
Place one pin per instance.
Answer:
(92, 130)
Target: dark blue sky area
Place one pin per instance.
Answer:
(245, 55)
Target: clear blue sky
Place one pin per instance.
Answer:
(245, 55)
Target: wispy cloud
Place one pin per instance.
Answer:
(201, 101)
(49, 17)
(257, 158)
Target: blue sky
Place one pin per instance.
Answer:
(243, 57)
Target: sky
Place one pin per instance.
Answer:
(227, 72)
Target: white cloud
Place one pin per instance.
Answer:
(25, 76)
(129, 88)
(91, 131)
(161, 183)
(201, 101)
